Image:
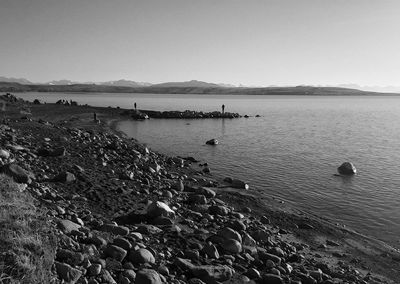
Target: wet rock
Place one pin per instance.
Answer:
(17, 173)
(148, 276)
(212, 142)
(239, 184)
(68, 273)
(347, 168)
(141, 256)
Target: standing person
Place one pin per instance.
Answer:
(223, 109)
(135, 106)
(94, 116)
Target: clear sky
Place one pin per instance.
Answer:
(252, 42)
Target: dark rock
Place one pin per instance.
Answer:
(141, 256)
(271, 279)
(207, 273)
(70, 257)
(212, 142)
(115, 252)
(347, 168)
(67, 273)
(64, 177)
(239, 184)
(115, 229)
(147, 276)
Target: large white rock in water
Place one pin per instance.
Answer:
(347, 168)
(159, 208)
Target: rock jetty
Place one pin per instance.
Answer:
(187, 114)
(125, 214)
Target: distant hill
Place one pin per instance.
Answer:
(61, 82)
(169, 89)
(15, 80)
(187, 84)
(125, 83)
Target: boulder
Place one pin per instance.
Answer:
(159, 208)
(239, 184)
(212, 142)
(347, 168)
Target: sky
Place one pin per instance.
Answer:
(249, 42)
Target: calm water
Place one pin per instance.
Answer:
(291, 152)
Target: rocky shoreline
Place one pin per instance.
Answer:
(125, 214)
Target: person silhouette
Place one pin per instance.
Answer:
(223, 109)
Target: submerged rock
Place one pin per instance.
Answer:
(347, 168)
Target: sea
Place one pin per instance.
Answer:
(290, 153)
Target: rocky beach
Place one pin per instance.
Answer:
(114, 211)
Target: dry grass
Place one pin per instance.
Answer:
(27, 246)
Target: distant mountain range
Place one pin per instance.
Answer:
(118, 83)
(188, 87)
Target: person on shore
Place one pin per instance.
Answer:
(94, 116)
(223, 109)
(135, 106)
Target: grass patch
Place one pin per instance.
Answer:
(27, 245)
